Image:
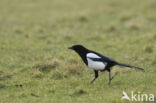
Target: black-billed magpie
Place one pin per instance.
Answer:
(97, 62)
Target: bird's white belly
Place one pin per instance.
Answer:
(96, 65)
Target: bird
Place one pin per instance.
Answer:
(97, 62)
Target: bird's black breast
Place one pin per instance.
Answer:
(84, 58)
(82, 54)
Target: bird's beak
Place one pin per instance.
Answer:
(70, 47)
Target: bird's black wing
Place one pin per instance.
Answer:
(103, 59)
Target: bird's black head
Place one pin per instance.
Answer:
(81, 50)
(77, 48)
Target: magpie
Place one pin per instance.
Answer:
(97, 62)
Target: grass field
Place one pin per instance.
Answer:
(37, 67)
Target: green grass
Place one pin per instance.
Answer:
(37, 67)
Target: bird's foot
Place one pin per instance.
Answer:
(91, 82)
(112, 78)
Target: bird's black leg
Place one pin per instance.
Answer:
(96, 75)
(110, 77)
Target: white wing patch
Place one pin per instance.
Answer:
(92, 55)
(95, 65)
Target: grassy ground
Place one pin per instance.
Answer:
(37, 67)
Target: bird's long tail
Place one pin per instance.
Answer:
(126, 65)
